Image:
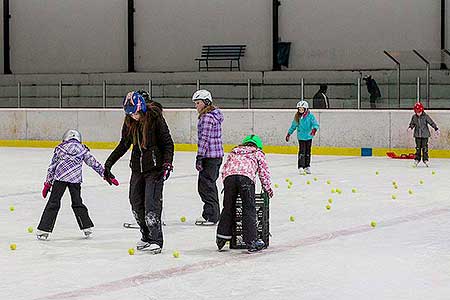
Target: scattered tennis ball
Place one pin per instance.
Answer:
(394, 197)
(328, 207)
(339, 191)
(315, 179)
(373, 224)
(289, 186)
(353, 190)
(421, 181)
(395, 186)
(377, 173)
(13, 246)
(183, 219)
(433, 172)
(276, 185)
(330, 200)
(11, 208)
(410, 191)
(393, 182)
(308, 182)
(292, 218)
(287, 180)
(328, 181)
(333, 191)
(131, 251)
(30, 229)
(176, 254)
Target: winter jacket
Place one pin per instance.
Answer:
(68, 160)
(247, 161)
(320, 100)
(159, 148)
(420, 125)
(209, 129)
(304, 127)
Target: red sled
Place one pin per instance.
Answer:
(401, 156)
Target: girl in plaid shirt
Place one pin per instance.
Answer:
(209, 155)
(65, 171)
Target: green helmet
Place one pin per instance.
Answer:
(253, 139)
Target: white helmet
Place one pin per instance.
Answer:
(204, 95)
(72, 134)
(302, 103)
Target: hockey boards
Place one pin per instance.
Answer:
(401, 156)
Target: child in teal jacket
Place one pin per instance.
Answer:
(306, 125)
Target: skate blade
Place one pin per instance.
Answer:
(42, 237)
(199, 223)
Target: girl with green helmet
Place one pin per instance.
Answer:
(239, 177)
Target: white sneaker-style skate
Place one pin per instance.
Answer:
(42, 235)
(301, 171)
(202, 222)
(307, 170)
(148, 247)
(88, 232)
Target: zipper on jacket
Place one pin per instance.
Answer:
(140, 149)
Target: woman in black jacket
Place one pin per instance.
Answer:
(145, 128)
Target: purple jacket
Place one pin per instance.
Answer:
(209, 129)
(68, 160)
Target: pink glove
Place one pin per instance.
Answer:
(46, 189)
(114, 181)
(287, 137)
(270, 193)
(437, 132)
(313, 131)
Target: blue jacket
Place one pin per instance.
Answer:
(304, 126)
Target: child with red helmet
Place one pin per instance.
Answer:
(419, 122)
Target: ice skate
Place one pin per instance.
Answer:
(220, 242)
(301, 171)
(202, 222)
(42, 235)
(416, 162)
(255, 246)
(307, 170)
(427, 163)
(88, 232)
(148, 247)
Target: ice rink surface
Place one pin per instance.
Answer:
(323, 254)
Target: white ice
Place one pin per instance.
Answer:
(323, 254)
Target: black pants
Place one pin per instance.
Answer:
(207, 188)
(50, 213)
(244, 186)
(421, 147)
(145, 195)
(373, 101)
(304, 153)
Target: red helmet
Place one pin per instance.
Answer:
(418, 107)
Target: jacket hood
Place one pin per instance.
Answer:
(72, 148)
(217, 114)
(242, 150)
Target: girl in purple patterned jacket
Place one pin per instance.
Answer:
(209, 155)
(65, 171)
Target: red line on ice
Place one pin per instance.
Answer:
(138, 280)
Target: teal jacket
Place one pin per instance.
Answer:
(304, 126)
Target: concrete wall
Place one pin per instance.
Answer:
(352, 128)
(72, 36)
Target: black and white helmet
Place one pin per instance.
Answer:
(302, 103)
(72, 134)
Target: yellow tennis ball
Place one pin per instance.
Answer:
(353, 190)
(11, 208)
(410, 192)
(183, 219)
(339, 191)
(394, 197)
(308, 182)
(131, 251)
(328, 181)
(395, 186)
(276, 185)
(287, 180)
(421, 181)
(328, 207)
(333, 191)
(30, 229)
(377, 173)
(373, 223)
(292, 218)
(289, 186)
(393, 182)
(13, 246)
(176, 254)
(315, 178)
(433, 172)
(330, 200)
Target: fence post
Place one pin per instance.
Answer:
(60, 93)
(249, 93)
(302, 89)
(19, 94)
(150, 89)
(198, 84)
(418, 89)
(359, 92)
(104, 93)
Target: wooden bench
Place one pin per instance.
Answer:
(221, 53)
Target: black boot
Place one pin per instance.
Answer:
(220, 243)
(256, 245)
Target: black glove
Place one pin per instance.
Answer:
(167, 169)
(108, 176)
(199, 163)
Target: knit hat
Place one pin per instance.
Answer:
(134, 102)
